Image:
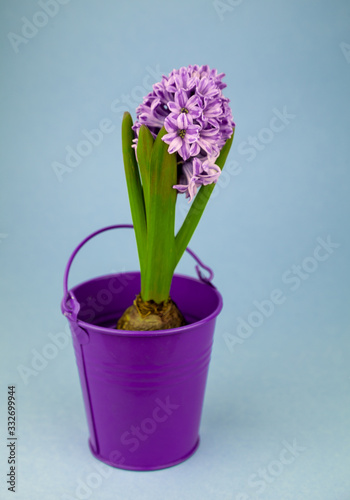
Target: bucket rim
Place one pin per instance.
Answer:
(151, 333)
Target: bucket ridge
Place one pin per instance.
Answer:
(170, 374)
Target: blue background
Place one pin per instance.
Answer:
(288, 380)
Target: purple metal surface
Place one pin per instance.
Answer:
(143, 391)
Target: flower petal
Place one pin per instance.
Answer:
(170, 124)
(175, 144)
(182, 188)
(192, 133)
(181, 98)
(184, 121)
(194, 149)
(184, 150)
(174, 108)
(168, 138)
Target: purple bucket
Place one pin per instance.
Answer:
(143, 391)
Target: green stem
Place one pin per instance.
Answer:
(198, 205)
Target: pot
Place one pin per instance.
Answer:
(143, 391)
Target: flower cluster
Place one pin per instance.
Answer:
(190, 104)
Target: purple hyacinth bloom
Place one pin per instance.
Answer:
(212, 110)
(184, 104)
(187, 181)
(180, 79)
(196, 174)
(182, 134)
(190, 104)
(208, 139)
(160, 90)
(207, 88)
(152, 112)
(207, 171)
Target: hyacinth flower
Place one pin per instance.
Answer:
(178, 145)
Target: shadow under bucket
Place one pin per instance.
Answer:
(143, 391)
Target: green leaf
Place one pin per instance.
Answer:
(160, 223)
(144, 151)
(136, 199)
(190, 223)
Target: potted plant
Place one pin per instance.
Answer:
(143, 340)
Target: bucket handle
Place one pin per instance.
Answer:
(69, 295)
